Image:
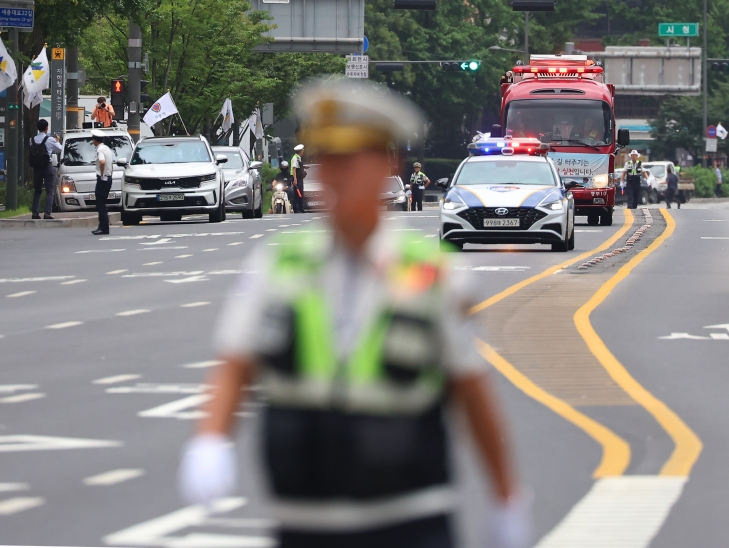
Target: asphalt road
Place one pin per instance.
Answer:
(104, 346)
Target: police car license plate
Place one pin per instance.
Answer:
(170, 197)
(487, 223)
(112, 196)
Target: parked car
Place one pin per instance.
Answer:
(648, 192)
(172, 176)
(394, 196)
(77, 169)
(243, 190)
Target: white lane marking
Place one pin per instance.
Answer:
(16, 387)
(718, 326)
(715, 220)
(493, 268)
(626, 511)
(193, 305)
(133, 312)
(152, 263)
(256, 236)
(47, 443)
(141, 237)
(45, 279)
(9, 487)
(100, 251)
(187, 280)
(116, 379)
(720, 336)
(174, 409)
(152, 388)
(284, 226)
(715, 237)
(430, 235)
(155, 531)
(211, 249)
(21, 294)
(161, 241)
(114, 476)
(587, 230)
(674, 336)
(164, 247)
(18, 504)
(117, 271)
(271, 229)
(164, 274)
(406, 229)
(236, 243)
(182, 256)
(63, 325)
(202, 365)
(73, 282)
(19, 398)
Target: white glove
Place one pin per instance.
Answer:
(511, 522)
(208, 469)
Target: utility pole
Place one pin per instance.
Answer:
(11, 143)
(72, 86)
(526, 37)
(135, 77)
(705, 82)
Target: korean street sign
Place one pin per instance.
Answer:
(711, 145)
(357, 66)
(58, 90)
(20, 18)
(681, 30)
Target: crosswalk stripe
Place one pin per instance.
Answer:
(116, 378)
(18, 504)
(114, 476)
(22, 397)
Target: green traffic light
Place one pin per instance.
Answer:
(473, 65)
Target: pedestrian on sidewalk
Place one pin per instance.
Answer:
(672, 189)
(102, 112)
(42, 148)
(418, 183)
(104, 171)
(359, 339)
(717, 170)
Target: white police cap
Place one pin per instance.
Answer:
(97, 133)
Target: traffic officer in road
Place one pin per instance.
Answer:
(104, 170)
(359, 338)
(633, 173)
(418, 182)
(297, 171)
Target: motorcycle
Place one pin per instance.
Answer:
(280, 203)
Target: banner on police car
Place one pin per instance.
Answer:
(163, 108)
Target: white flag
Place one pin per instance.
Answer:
(8, 72)
(227, 113)
(38, 76)
(721, 131)
(163, 108)
(258, 129)
(31, 100)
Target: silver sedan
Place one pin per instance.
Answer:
(243, 187)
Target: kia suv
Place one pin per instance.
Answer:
(170, 177)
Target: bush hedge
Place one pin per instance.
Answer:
(25, 194)
(705, 181)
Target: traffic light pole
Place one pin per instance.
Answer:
(704, 71)
(11, 142)
(135, 77)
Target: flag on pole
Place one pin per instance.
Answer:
(38, 76)
(721, 131)
(227, 113)
(258, 129)
(8, 72)
(251, 131)
(163, 108)
(31, 100)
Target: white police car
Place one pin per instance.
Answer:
(506, 192)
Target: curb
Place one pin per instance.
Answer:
(74, 222)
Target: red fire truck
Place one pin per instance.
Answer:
(564, 101)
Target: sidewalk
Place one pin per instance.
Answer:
(75, 219)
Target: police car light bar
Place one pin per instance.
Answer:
(507, 146)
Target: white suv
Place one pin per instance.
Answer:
(170, 177)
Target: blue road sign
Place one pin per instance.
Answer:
(711, 132)
(365, 45)
(16, 18)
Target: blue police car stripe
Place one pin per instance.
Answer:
(468, 197)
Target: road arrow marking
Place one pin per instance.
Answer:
(48, 443)
(718, 326)
(674, 336)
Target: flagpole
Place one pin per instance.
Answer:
(178, 113)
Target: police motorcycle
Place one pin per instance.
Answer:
(280, 202)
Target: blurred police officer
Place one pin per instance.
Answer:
(633, 173)
(358, 339)
(104, 170)
(418, 182)
(297, 174)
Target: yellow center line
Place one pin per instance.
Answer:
(688, 446)
(627, 223)
(615, 450)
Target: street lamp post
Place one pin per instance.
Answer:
(499, 48)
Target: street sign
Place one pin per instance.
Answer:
(683, 30)
(16, 17)
(357, 66)
(58, 90)
(365, 45)
(711, 132)
(711, 145)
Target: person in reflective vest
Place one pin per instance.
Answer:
(418, 183)
(358, 337)
(633, 172)
(297, 173)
